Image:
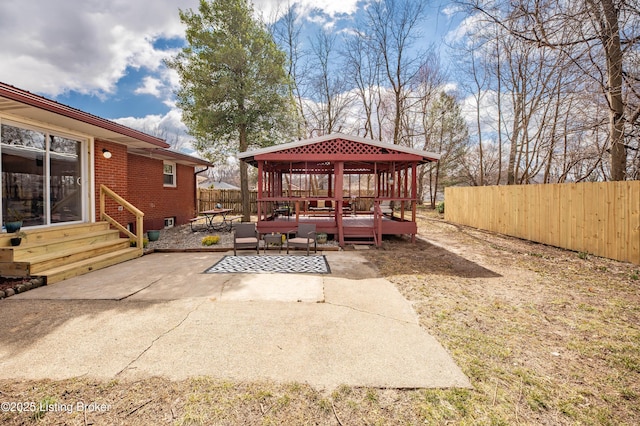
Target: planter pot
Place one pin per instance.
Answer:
(153, 235)
(13, 226)
(321, 238)
(16, 241)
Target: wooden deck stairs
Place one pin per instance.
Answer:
(359, 235)
(60, 252)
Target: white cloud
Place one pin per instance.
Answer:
(151, 86)
(331, 8)
(87, 45)
(80, 45)
(451, 10)
(168, 127)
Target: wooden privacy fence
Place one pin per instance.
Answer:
(228, 198)
(601, 218)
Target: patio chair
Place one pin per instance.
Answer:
(245, 235)
(305, 236)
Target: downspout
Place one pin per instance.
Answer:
(195, 190)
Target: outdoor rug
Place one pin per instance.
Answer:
(270, 265)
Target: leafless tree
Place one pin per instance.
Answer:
(362, 66)
(419, 129)
(329, 110)
(599, 38)
(393, 30)
(286, 31)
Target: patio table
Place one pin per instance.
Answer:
(224, 225)
(275, 238)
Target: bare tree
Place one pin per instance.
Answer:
(419, 128)
(598, 37)
(393, 30)
(286, 31)
(328, 111)
(362, 66)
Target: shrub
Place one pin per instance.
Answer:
(210, 240)
(145, 242)
(440, 207)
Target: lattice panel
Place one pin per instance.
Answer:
(338, 146)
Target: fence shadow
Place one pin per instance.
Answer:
(398, 256)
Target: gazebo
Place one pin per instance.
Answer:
(353, 188)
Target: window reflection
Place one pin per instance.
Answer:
(24, 172)
(23, 154)
(65, 178)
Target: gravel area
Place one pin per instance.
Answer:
(183, 238)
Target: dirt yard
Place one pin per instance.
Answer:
(546, 336)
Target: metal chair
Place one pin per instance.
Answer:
(245, 235)
(305, 235)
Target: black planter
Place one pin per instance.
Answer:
(13, 226)
(16, 241)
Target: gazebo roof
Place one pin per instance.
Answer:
(338, 146)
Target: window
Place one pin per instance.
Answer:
(169, 174)
(42, 175)
(169, 222)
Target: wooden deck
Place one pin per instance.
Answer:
(359, 227)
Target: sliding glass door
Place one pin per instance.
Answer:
(42, 177)
(65, 192)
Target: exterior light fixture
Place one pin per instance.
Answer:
(106, 153)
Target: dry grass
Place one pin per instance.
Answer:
(545, 335)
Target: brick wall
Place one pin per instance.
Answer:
(139, 180)
(148, 193)
(111, 172)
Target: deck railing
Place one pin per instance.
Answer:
(138, 236)
(377, 223)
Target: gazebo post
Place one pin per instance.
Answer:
(414, 195)
(260, 184)
(339, 181)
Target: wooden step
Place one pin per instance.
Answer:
(360, 242)
(84, 266)
(359, 235)
(30, 249)
(38, 235)
(60, 252)
(71, 255)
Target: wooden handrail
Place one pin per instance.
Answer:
(138, 236)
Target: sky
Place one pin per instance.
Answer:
(106, 57)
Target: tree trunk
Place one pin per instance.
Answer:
(511, 169)
(613, 51)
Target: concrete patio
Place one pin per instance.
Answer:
(160, 315)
